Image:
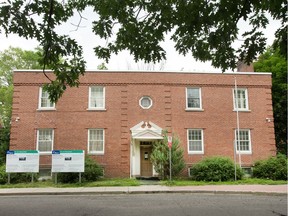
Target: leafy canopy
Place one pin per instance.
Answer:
(206, 29)
(10, 59)
(273, 61)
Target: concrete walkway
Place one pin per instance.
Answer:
(146, 189)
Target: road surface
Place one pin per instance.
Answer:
(145, 205)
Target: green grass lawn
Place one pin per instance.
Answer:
(187, 182)
(134, 182)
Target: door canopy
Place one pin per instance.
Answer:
(146, 131)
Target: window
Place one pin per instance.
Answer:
(240, 99)
(195, 141)
(96, 97)
(96, 141)
(45, 139)
(193, 98)
(145, 102)
(44, 101)
(243, 141)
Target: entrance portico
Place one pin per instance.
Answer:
(143, 135)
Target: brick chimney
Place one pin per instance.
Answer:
(243, 67)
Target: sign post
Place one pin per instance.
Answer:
(22, 161)
(170, 157)
(68, 161)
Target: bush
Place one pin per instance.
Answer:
(274, 168)
(160, 157)
(92, 172)
(3, 175)
(215, 169)
(15, 177)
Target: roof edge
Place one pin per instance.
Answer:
(146, 71)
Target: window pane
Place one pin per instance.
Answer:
(244, 142)
(45, 101)
(240, 96)
(195, 140)
(96, 140)
(45, 140)
(193, 98)
(96, 97)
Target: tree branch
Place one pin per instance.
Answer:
(78, 25)
(48, 44)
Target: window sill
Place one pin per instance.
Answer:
(195, 153)
(194, 110)
(243, 153)
(241, 110)
(94, 109)
(95, 153)
(46, 109)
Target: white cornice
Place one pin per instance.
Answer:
(145, 71)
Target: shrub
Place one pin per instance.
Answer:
(3, 175)
(160, 157)
(215, 169)
(92, 172)
(274, 168)
(15, 177)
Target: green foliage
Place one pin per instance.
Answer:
(91, 173)
(215, 169)
(274, 168)
(4, 143)
(15, 178)
(102, 66)
(273, 61)
(10, 59)
(160, 157)
(3, 175)
(206, 29)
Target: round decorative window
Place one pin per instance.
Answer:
(145, 102)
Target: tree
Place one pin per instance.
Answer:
(10, 59)
(273, 61)
(102, 66)
(160, 157)
(205, 28)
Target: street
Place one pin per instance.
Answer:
(163, 204)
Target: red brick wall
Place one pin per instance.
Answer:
(71, 120)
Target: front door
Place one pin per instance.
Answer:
(146, 165)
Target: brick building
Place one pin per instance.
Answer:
(115, 116)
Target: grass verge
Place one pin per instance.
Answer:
(134, 182)
(187, 182)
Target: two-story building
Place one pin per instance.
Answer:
(115, 116)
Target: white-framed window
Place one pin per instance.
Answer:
(240, 98)
(44, 101)
(97, 97)
(145, 102)
(243, 141)
(96, 141)
(45, 140)
(195, 139)
(193, 99)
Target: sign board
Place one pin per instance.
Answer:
(21, 161)
(170, 141)
(68, 161)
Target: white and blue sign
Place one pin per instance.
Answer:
(68, 161)
(21, 161)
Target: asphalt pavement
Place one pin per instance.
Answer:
(144, 189)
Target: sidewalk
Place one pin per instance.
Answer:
(150, 189)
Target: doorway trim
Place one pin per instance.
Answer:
(142, 132)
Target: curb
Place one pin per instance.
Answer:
(128, 192)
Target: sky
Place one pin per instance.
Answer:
(124, 61)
